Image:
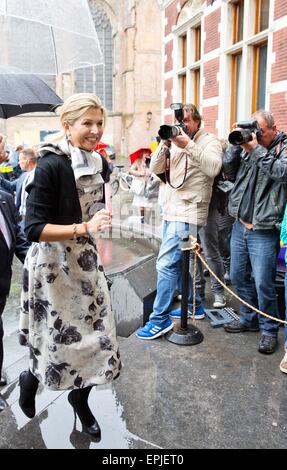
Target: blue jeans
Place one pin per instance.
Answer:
(253, 271)
(169, 269)
(285, 326)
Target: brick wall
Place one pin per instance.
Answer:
(210, 115)
(211, 23)
(279, 68)
(210, 70)
(168, 89)
(168, 53)
(171, 14)
(280, 9)
(278, 106)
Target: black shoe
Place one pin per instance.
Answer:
(3, 403)
(267, 344)
(78, 398)
(237, 327)
(28, 387)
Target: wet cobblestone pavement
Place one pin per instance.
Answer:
(219, 394)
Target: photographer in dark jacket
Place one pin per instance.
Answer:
(257, 201)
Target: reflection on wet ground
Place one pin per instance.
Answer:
(219, 394)
(120, 254)
(53, 426)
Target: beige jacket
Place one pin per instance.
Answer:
(204, 159)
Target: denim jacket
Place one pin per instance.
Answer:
(271, 184)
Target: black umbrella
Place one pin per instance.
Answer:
(24, 93)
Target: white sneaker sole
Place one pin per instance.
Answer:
(219, 305)
(284, 361)
(157, 335)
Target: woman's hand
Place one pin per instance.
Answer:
(100, 221)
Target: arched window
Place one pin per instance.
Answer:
(99, 79)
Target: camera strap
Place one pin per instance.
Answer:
(167, 171)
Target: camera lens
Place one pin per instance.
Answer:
(240, 136)
(165, 132)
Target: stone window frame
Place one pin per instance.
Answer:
(248, 47)
(187, 74)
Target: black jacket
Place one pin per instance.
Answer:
(270, 190)
(19, 244)
(53, 196)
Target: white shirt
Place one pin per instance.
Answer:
(4, 229)
(29, 178)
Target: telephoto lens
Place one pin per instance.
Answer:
(168, 132)
(240, 136)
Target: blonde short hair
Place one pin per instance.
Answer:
(76, 105)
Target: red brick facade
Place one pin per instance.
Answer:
(210, 117)
(168, 91)
(279, 68)
(211, 30)
(278, 106)
(280, 9)
(210, 71)
(276, 95)
(168, 65)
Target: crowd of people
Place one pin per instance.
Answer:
(53, 201)
(258, 172)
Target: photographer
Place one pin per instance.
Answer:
(258, 168)
(195, 159)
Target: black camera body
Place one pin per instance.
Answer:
(169, 132)
(243, 133)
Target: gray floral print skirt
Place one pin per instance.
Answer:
(66, 317)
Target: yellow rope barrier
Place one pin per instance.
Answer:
(196, 249)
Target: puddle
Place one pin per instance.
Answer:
(57, 423)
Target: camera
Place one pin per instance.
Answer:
(169, 132)
(243, 133)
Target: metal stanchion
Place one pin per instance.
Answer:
(185, 334)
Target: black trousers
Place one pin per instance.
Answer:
(2, 306)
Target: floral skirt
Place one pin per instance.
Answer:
(66, 317)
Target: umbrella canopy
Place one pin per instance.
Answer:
(48, 37)
(25, 93)
(101, 145)
(138, 153)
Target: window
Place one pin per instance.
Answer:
(189, 66)
(262, 15)
(183, 50)
(236, 89)
(197, 42)
(237, 16)
(196, 86)
(259, 77)
(182, 81)
(245, 63)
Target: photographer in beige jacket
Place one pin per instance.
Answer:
(194, 159)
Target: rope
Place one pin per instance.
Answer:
(196, 248)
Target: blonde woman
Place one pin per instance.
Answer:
(66, 318)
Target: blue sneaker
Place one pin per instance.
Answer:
(199, 313)
(152, 330)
